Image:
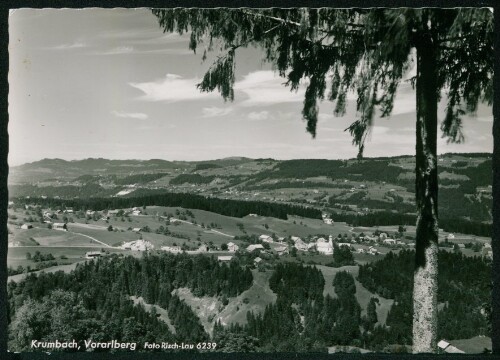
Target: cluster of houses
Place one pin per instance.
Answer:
(138, 245)
(175, 249)
(327, 219)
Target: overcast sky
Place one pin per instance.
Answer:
(108, 83)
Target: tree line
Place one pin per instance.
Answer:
(234, 208)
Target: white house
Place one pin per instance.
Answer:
(26, 226)
(224, 258)
(372, 251)
(389, 242)
(253, 247)
(232, 247)
(257, 260)
(59, 226)
(90, 212)
(301, 245)
(487, 245)
(281, 250)
(360, 251)
(136, 229)
(383, 236)
(172, 249)
(324, 246)
(450, 236)
(136, 212)
(203, 248)
(266, 238)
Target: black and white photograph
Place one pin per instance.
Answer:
(251, 180)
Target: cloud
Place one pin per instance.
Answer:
(171, 88)
(257, 116)
(74, 45)
(118, 50)
(130, 50)
(214, 111)
(125, 115)
(266, 88)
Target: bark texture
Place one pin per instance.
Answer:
(495, 241)
(4, 149)
(426, 265)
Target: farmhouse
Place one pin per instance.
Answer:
(372, 251)
(69, 210)
(360, 251)
(461, 246)
(281, 250)
(450, 236)
(59, 226)
(136, 212)
(92, 254)
(172, 249)
(382, 236)
(203, 248)
(266, 238)
(113, 212)
(136, 229)
(300, 245)
(26, 226)
(232, 247)
(253, 247)
(257, 260)
(389, 242)
(90, 212)
(225, 258)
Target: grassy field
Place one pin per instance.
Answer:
(66, 268)
(475, 345)
(17, 255)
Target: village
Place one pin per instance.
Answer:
(132, 230)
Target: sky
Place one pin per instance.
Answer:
(109, 83)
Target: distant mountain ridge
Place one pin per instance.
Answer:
(60, 169)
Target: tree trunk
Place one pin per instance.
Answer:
(495, 240)
(426, 265)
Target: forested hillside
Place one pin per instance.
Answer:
(464, 292)
(94, 299)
